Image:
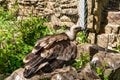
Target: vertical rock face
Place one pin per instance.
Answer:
(104, 19)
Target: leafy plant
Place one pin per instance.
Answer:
(16, 41)
(82, 61)
(117, 48)
(100, 73)
(32, 29)
(81, 38)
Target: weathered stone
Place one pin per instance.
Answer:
(91, 38)
(25, 11)
(114, 17)
(1, 1)
(118, 39)
(29, 2)
(107, 61)
(67, 1)
(71, 5)
(113, 41)
(50, 5)
(70, 11)
(57, 12)
(90, 22)
(66, 73)
(112, 28)
(108, 40)
(102, 40)
(65, 19)
(68, 24)
(88, 73)
(55, 20)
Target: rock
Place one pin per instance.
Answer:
(88, 73)
(112, 28)
(114, 17)
(18, 75)
(103, 40)
(27, 2)
(66, 73)
(2, 1)
(55, 21)
(68, 24)
(66, 1)
(109, 40)
(65, 19)
(107, 61)
(25, 10)
(88, 48)
(90, 24)
(99, 59)
(70, 5)
(69, 11)
(91, 38)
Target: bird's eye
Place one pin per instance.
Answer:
(78, 28)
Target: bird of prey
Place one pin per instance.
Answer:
(52, 52)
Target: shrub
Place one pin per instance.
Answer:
(17, 39)
(32, 29)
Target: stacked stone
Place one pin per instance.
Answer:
(64, 12)
(95, 18)
(59, 12)
(104, 23)
(30, 7)
(112, 31)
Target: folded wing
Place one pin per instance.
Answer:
(50, 53)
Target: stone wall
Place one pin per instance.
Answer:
(59, 12)
(103, 16)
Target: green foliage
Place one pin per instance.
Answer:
(12, 48)
(101, 74)
(81, 38)
(99, 71)
(82, 61)
(117, 48)
(32, 29)
(17, 39)
(84, 58)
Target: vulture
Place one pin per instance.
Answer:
(52, 52)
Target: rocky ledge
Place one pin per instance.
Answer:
(101, 64)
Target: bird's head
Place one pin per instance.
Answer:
(73, 31)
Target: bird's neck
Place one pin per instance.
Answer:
(70, 34)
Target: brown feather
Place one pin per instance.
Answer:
(48, 52)
(45, 43)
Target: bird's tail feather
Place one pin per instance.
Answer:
(34, 65)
